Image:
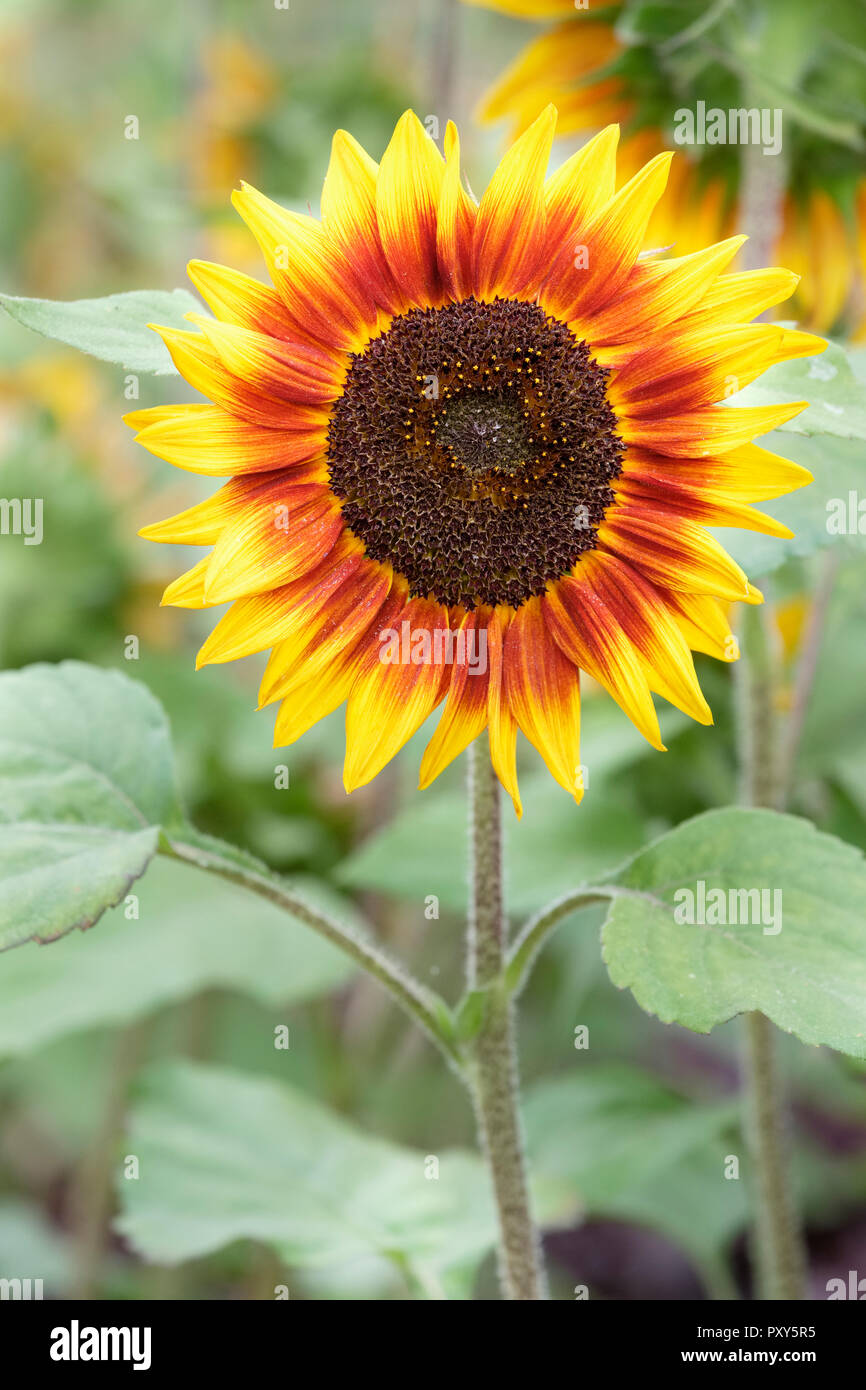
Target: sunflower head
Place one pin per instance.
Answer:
(472, 449)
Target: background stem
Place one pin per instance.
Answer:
(778, 1249)
(762, 193)
(807, 669)
(91, 1196)
(757, 715)
(444, 55)
(494, 1058)
(778, 1246)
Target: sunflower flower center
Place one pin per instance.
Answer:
(480, 432)
(474, 447)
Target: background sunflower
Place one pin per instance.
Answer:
(641, 65)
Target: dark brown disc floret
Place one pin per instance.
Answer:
(474, 448)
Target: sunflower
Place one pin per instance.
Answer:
(472, 451)
(593, 77)
(566, 65)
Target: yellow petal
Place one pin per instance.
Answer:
(512, 216)
(408, 188)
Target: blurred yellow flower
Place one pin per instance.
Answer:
(238, 88)
(569, 65)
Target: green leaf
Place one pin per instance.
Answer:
(191, 933)
(85, 783)
(114, 328)
(834, 736)
(91, 743)
(30, 1248)
(626, 1146)
(656, 23)
(838, 470)
(802, 963)
(224, 1156)
(86, 759)
(55, 877)
(857, 363)
(799, 110)
(827, 381)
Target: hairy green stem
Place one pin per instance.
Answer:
(494, 1071)
(778, 1247)
(778, 1250)
(757, 715)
